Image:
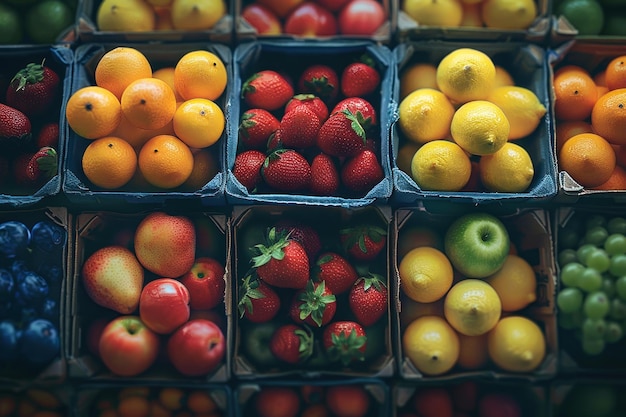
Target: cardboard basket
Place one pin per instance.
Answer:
(79, 190)
(292, 57)
(527, 65)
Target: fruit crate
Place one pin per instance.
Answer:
(245, 30)
(527, 64)
(51, 399)
(530, 239)
(96, 230)
(291, 57)
(59, 59)
(35, 244)
(253, 357)
(88, 30)
(79, 190)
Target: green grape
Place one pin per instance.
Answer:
(613, 332)
(608, 286)
(593, 328)
(569, 236)
(618, 265)
(584, 250)
(567, 256)
(620, 287)
(590, 280)
(593, 347)
(618, 309)
(596, 235)
(615, 244)
(569, 300)
(598, 259)
(596, 305)
(595, 220)
(570, 321)
(571, 273)
(617, 225)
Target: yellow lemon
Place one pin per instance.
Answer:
(431, 344)
(416, 76)
(509, 170)
(509, 14)
(125, 16)
(196, 14)
(503, 77)
(466, 74)
(425, 274)
(516, 344)
(411, 310)
(515, 283)
(446, 13)
(441, 165)
(405, 156)
(480, 127)
(472, 15)
(425, 115)
(521, 107)
(472, 307)
(473, 353)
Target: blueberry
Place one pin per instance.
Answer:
(18, 267)
(39, 343)
(52, 273)
(50, 310)
(47, 236)
(14, 238)
(32, 288)
(9, 338)
(7, 283)
(28, 314)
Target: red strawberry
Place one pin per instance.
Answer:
(19, 169)
(299, 128)
(324, 175)
(363, 242)
(275, 142)
(255, 128)
(291, 343)
(356, 105)
(258, 302)
(311, 101)
(362, 172)
(343, 134)
(286, 170)
(314, 305)
(320, 80)
(283, 262)
(42, 165)
(303, 233)
(34, 89)
(15, 127)
(336, 271)
(368, 299)
(247, 169)
(267, 90)
(360, 78)
(48, 135)
(345, 341)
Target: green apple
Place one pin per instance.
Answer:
(477, 244)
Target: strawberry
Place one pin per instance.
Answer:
(343, 134)
(368, 299)
(314, 305)
(305, 234)
(15, 127)
(291, 343)
(258, 302)
(42, 165)
(34, 89)
(324, 175)
(274, 142)
(345, 341)
(356, 105)
(48, 135)
(361, 172)
(267, 90)
(299, 128)
(286, 170)
(19, 169)
(283, 262)
(247, 169)
(360, 78)
(363, 242)
(255, 128)
(335, 270)
(311, 101)
(320, 80)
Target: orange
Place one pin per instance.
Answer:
(204, 169)
(616, 73)
(617, 180)
(600, 78)
(200, 401)
(199, 122)
(165, 161)
(119, 67)
(575, 93)
(620, 154)
(93, 112)
(134, 406)
(608, 116)
(109, 162)
(149, 103)
(167, 74)
(567, 129)
(200, 74)
(588, 158)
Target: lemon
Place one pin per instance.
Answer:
(509, 170)
(416, 76)
(516, 344)
(515, 283)
(425, 115)
(472, 307)
(503, 77)
(197, 14)
(431, 344)
(125, 16)
(509, 14)
(480, 127)
(521, 107)
(412, 310)
(472, 15)
(425, 274)
(466, 74)
(405, 156)
(473, 353)
(441, 165)
(446, 13)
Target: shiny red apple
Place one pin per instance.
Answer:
(310, 19)
(164, 305)
(205, 282)
(262, 19)
(361, 17)
(196, 348)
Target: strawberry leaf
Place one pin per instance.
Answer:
(314, 302)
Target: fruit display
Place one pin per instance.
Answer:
(42, 401)
(37, 22)
(591, 18)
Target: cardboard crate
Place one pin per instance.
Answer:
(249, 226)
(527, 64)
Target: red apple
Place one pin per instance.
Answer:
(213, 315)
(196, 348)
(361, 17)
(205, 282)
(164, 305)
(127, 347)
(94, 331)
(262, 19)
(333, 5)
(310, 19)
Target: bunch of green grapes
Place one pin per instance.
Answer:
(592, 276)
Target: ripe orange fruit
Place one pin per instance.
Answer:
(167, 74)
(200, 74)
(616, 73)
(148, 103)
(199, 122)
(165, 161)
(600, 79)
(205, 167)
(93, 112)
(575, 93)
(608, 116)
(588, 158)
(617, 180)
(119, 67)
(620, 154)
(567, 129)
(109, 162)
